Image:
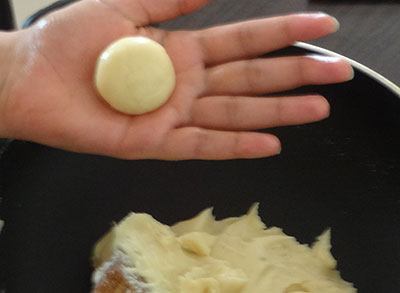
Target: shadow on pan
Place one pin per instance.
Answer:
(342, 173)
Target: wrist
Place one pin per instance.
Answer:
(8, 42)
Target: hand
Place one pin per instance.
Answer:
(49, 95)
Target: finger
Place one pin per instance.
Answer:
(197, 143)
(257, 37)
(246, 113)
(260, 76)
(143, 12)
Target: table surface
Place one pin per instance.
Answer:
(369, 30)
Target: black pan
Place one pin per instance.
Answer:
(342, 173)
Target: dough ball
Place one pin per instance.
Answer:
(135, 75)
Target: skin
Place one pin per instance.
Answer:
(47, 93)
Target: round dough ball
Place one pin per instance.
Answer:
(135, 75)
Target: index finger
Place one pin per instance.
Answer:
(256, 37)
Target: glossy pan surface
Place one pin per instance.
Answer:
(342, 173)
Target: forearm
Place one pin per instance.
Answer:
(7, 64)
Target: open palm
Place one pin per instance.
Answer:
(50, 97)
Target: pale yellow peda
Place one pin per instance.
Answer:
(135, 75)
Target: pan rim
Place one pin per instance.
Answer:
(357, 65)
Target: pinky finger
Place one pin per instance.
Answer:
(198, 143)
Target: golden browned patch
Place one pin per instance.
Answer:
(114, 282)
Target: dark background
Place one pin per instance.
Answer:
(6, 17)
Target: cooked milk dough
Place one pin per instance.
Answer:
(135, 75)
(227, 256)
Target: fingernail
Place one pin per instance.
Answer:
(333, 59)
(351, 75)
(317, 14)
(324, 58)
(336, 22)
(324, 15)
(279, 146)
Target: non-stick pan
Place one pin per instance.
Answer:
(342, 173)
